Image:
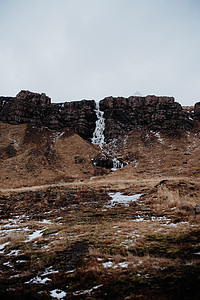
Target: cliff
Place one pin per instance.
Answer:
(121, 115)
(151, 112)
(37, 110)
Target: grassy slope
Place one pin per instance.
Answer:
(31, 156)
(147, 250)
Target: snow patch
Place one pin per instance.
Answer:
(38, 280)
(49, 271)
(45, 221)
(3, 246)
(110, 264)
(157, 134)
(34, 235)
(14, 253)
(7, 264)
(58, 294)
(87, 291)
(119, 198)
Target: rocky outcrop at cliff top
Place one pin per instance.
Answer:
(150, 112)
(37, 110)
(121, 114)
(197, 111)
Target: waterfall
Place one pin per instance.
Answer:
(99, 139)
(98, 135)
(116, 164)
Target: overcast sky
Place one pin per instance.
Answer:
(90, 49)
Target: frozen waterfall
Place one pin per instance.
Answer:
(116, 164)
(99, 139)
(98, 135)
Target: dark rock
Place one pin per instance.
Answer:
(150, 112)
(121, 114)
(37, 110)
(79, 160)
(197, 111)
(105, 161)
(26, 107)
(197, 209)
(78, 116)
(8, 151)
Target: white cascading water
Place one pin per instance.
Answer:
(98, 135)
(116, 164)
(99, 139)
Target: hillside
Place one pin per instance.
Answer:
(109, 215)
(35, 156)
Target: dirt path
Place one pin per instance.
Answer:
(95, 183)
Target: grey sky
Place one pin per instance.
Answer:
(90, 49)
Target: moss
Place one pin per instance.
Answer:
(34, 257)
(193, 237)
(182, 245)
(71, 276)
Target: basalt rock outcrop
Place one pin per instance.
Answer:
(121, 114)
(37, 110)
(150, 112)
(197, 111)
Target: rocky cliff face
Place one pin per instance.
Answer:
(121, 114)
(37, 110)
(197, 111)
(151, 112)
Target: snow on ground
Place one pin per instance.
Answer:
(49, 271)
(152, 218)
(13, 253)
(8, 264)
(38, 280)
(56, 137)
(110, 264)
(45, 221)
(124, 265)
(2, 246)
(119, 198)
(87, 292)
(36, 234)
(57, 294)
(20, 228)
(157, 134)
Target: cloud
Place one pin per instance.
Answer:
(75, 49)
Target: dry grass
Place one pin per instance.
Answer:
(41, 159)
(151, 238)
(172, 198)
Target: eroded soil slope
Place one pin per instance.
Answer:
(34, 156)
(159, 153)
